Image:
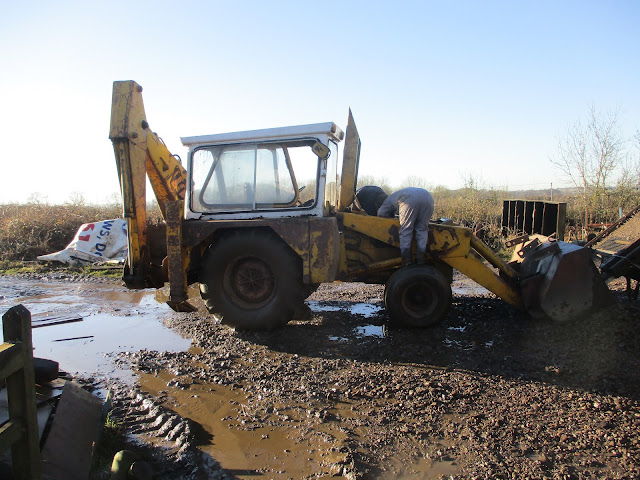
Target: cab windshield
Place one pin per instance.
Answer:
(258, 176)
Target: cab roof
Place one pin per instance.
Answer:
(329, 129)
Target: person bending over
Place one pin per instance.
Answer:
(414, 207)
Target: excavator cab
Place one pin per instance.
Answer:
(272, 173)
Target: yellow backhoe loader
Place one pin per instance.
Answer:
(260, 218)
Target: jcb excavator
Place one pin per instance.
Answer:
(260, 218)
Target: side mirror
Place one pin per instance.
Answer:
(321, 150)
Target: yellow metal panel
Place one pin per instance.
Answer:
(350, 158)
(166, 175)
(343, 266)
(127, 132)
(448, 241)
(140, 153)
(443, 239)
(131, 165)
(481, 273)
(177, 259)
(294, 231)
(315, 240)
(127, 110)
(175, 255)
(324, 244)
(455, 246)
(380, 228)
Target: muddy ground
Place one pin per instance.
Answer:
(489, 393)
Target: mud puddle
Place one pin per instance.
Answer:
(277, 445)
(114, 320)
(285, 440)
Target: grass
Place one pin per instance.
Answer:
(32, 229)
(38, 228)
(112, 440)
(16, 267)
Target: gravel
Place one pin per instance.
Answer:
(489, 393)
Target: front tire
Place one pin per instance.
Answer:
(417, 296)
(253, 280)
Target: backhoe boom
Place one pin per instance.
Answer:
(140, 153)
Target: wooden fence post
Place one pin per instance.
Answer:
(21, 394)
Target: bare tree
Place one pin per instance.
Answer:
(416, 181)
(76, 199)
(628, 184)
(381, 182)
(635, 163)
(589, 155)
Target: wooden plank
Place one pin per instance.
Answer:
(10, 433)
(55, 320)
(11, 359)
(76, 426)
(21, 392)
(48, 391)
(47, 317)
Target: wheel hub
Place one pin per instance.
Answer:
(418, 300)
(252, 281)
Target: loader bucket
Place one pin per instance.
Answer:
(559, 280)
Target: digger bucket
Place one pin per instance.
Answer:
(559, 280)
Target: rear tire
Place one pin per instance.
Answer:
(253, 280)
(417, 296)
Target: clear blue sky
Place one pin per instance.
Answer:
(440, 90)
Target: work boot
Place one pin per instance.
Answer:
(407, 258)
(420, 257)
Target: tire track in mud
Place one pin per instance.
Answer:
(163, 437)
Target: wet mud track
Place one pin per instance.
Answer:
(488, 393)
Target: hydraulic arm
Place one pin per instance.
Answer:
(140, 153)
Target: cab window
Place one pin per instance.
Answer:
(253, 176)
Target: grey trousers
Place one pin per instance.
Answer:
(414, 207)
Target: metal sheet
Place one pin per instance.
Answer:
(76, 427)
(350, 160)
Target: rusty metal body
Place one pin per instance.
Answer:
(619, 250)
(451, 245)
(315, 240)
(287, 246)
